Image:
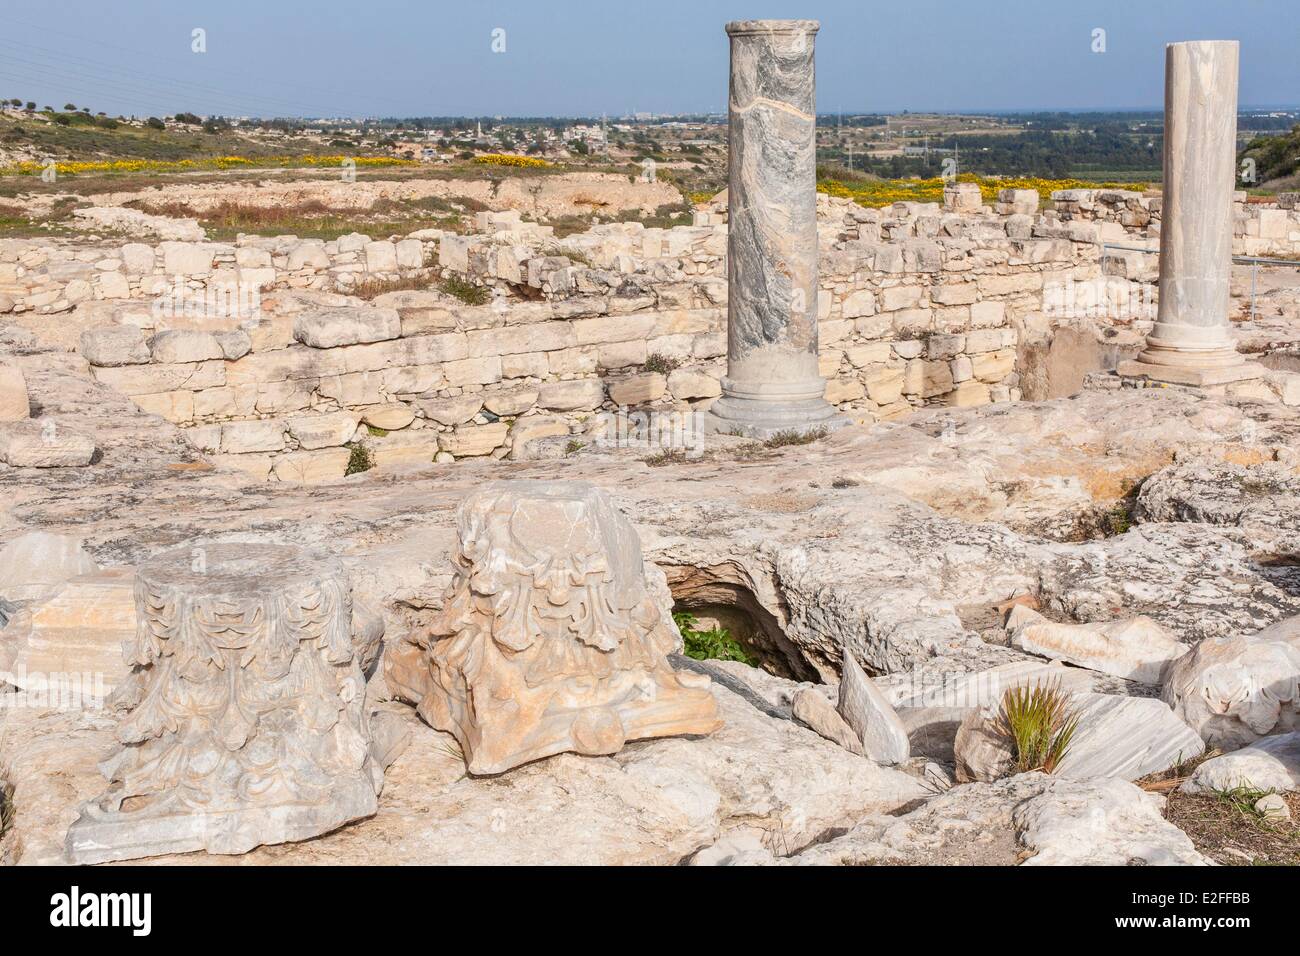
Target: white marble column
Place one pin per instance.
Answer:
(772, 383)
(1191, 342)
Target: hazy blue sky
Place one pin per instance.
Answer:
(320, 57)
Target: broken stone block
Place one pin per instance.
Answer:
(1234, 690)
(548, 639)
(1271, 763)
(14, 405)
(246, 721)
(531, 429)
(312, 466)
(389, 417)
(865, 709)
(811, 707)
(1137, 649)
(688, 383)
(43, 443)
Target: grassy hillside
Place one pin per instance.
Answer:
(1277, 158)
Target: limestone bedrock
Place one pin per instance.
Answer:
(548, 639)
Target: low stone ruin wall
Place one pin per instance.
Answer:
(621, 317)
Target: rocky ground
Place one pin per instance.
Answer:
(895, 541)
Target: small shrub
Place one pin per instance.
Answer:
(361, 459)
(1040, 724)
(467, 292)
(574, 446)
(795, 437)
(660, 363)
(668, 456)
(714, 644)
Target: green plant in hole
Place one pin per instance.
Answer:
(467, 292)
(662, 364)
(376, 432)
(794, 437)
(361, 459)
(714, 644)
(1040, 723)
(574, 446)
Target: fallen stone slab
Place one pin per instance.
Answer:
(1136, 649)
(869, 715)
(1126, 737)
(44, 444)
(1271, 763)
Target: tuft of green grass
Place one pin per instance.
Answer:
(361, 459)
(1242, 799)
(376, 432)
(467, 292)
(1040, 723)
(574, 446)
(714, 644)
(662, 364)
(795, 437)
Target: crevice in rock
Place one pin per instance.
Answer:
(725, 593)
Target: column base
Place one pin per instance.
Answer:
(1198, 377)
(756, 418)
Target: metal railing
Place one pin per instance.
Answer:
(1254, 261)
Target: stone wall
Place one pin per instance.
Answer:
(917, 306)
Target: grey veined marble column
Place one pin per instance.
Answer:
(1190, 342)
(772, 383)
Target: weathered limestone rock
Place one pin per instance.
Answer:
(981, 751)
(1101, 823)
(576, 395)
(1126, 737)
(548, 611)
(328, 430)
(869, 714)
(35, 565)
(1271, 763)
(637, 389)
(184, 345)
(471, 440)
(1136, 649)
(773, 382)
(44, 443)
(686, 384)
(533, 428)
(114, 345)
(346, 326)
(309, 467)
(14, 405)
(1033, 818)
(1234, 690)
(390, 417)
(74, 637)
(810, 706)
(246, 721)
(1191, 343)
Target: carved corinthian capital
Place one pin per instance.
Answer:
(548, 639)
(246, 720)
